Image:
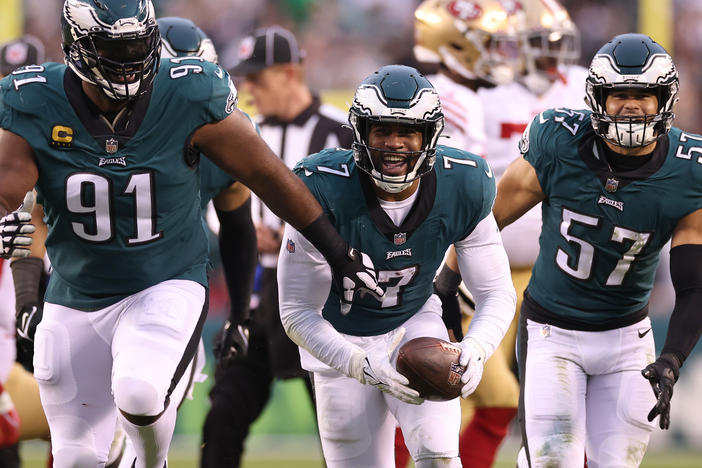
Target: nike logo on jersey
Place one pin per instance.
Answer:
(541, 118)
(613, 203)
(489, 172)
(642, 334)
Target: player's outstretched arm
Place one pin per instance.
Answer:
(685, 324)
(517, 192)
(234, 145)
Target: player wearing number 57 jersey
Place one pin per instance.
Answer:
(403, 200)
(108, 140)
(616, 183)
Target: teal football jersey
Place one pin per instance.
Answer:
(123, 209)
(603, 231)
(452, 200)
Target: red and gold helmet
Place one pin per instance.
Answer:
(477, 39)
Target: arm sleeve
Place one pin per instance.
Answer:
(304, 280)
(485, 270)
(685, 323)
(237, 247)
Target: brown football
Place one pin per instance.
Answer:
(431, 365)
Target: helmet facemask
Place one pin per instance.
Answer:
(367, 157)
(546, 53)
(122, 58)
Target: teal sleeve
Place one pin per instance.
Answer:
(534, 148)
(224, 96)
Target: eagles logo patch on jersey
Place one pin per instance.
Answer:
(524, 140)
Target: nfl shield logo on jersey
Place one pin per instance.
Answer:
(111, 145)
(400, 238)
(612, 184)
(290, 246)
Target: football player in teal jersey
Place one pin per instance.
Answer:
(405, 200)
(616, 183)
(110, 141)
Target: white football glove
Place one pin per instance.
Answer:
(379, 372)
(14, 241)
(473, 358)
(358, 274)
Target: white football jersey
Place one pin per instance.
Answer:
(463, 115)
(507, 110)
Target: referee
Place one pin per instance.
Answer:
(294, 123)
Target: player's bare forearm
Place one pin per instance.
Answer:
(517, 192)
(234, 145)
(18, 170)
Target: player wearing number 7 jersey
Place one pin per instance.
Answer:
(403, 200)
(616, 183)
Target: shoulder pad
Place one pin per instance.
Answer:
(28, 89)
(337, 161)
(197, 79)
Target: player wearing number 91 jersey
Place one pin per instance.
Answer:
(616, 183)
(130, 182)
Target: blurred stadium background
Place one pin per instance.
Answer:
(345, 40)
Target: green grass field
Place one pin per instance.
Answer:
(305, 454)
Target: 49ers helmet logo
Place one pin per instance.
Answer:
(465, 10)
(512, 7)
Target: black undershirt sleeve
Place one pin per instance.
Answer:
(685, 323)
(237, 246)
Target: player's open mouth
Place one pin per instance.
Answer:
(394, 165)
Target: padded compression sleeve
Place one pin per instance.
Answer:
(237, 247)
(685, 323)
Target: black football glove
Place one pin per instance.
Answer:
(662, 375)
(355, 273)
(231, 343)
(451, 314)
(28, 317)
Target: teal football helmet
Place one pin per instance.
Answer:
(182, 38)
(113, 44)
(632, 61)
(396, 94)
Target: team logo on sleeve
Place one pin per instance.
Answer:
(524, 140)
(61, 136)
(232, 99)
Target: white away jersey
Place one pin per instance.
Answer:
(508, 109)
(463, 113)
